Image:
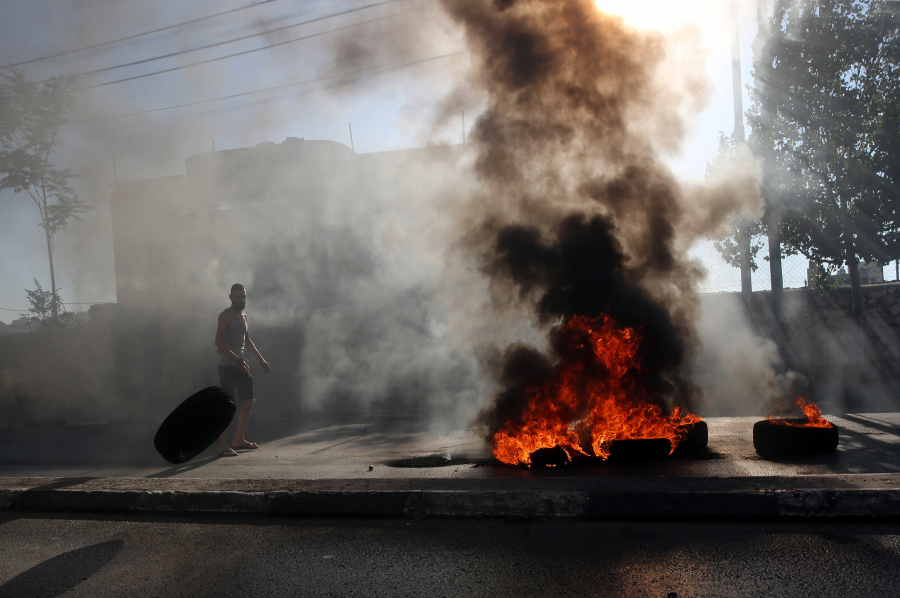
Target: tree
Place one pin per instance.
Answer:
(47, 308)
(30, 117)
(824, 121)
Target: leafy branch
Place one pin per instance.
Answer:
(47, 309)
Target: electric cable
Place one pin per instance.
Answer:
(275, 45)
(137, 35)
(230, 41)
(255, 91)
(217, 44)
(64, 303)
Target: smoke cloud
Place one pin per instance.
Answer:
(577, 213)
(406, 282)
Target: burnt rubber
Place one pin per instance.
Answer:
(550, 457)
(194, 425)
(638, 449)
(697, 437)
(780, 440)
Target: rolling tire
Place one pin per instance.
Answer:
(778, 439)
(194, 425)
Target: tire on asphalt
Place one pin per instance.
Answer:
(639, 449)
(194, 425)
(697, 437)
(550, 457)
(778, 439)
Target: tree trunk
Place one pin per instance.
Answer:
(54, 312)
(744, 236)
(855, 286)
(746, 282)
(775, 272)
(856, 306)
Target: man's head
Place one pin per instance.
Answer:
(238, 297)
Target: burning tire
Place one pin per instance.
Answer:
(194, 425)
(695, 439)
(550, 457)
(793, 438)
(639, 449)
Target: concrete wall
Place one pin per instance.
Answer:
(849, 368)
(141, 362)
(60, 374)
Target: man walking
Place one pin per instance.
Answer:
(232, 340)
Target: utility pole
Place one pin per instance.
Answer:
(773, 214)
(743, 233)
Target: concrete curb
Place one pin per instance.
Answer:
(536, 502)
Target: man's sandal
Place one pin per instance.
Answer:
(228, 453)
(246, 446)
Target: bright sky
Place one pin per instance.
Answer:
(388, 110)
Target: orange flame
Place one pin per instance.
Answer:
(813, 414)
(593, 400)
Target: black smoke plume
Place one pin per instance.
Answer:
(579, 215)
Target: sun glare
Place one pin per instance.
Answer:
(656, 14)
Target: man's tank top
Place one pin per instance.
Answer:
(235, 334)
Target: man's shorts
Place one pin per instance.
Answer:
(233, 378)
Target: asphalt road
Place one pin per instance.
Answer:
(405, 448)
(58, 555)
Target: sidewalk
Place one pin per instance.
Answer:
(404, 468)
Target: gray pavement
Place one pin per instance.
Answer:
(403, 467)
(112, 556)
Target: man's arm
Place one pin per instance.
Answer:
(223, 348)
(262, 362)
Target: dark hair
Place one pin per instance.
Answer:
(237, 287)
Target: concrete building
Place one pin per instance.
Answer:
(292, 221)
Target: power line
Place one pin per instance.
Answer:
(66, 303)
(230, 41)
(123, 39)
(275, 45)
(89, 302)
(246, 93)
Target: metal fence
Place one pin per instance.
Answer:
(723, 278)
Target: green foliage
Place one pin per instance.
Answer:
(67, 204)
(825, 118)
(47, 309)
(730, 251)
(30, 117)
(820, 279)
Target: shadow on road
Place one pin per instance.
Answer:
(62, 573)
(184, 467)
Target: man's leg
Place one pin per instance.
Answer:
(229, 385)
(242, 420)
(224, 449)
(244, 383)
